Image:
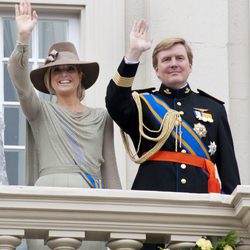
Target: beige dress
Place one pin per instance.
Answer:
(63, 147)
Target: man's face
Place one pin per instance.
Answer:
(173, 67)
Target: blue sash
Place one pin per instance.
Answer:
(92, 182)
(190, 140)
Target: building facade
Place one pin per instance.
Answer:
(218, 32)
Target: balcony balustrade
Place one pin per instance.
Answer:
(64, 217)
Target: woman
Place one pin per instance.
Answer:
(69, 144)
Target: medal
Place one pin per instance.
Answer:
(212, 148)
(202, 115)
(200, 129)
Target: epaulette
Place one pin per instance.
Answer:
(148, 90)
(201, 92)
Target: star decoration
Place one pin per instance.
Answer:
(200, 129)
(212, 148)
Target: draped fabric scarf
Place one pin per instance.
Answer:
(67, 134)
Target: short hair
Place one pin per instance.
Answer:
(47, 82)
(169, 43)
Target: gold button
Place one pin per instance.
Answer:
(181, 112)
(179, 103)
(184, 151)
(183, 181)
(183, 166)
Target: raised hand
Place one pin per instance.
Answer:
(138, 40)
(26, 20)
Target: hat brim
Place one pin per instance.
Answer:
(89, 69)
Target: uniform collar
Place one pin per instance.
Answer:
(175, 93)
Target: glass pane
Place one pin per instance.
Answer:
(9, 90)
(49, 32)
(14, 126)
(10, 94)
(15, 167)
(10, 35)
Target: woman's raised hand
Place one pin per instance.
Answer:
(26, 20)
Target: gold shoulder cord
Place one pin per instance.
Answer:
(170, 120)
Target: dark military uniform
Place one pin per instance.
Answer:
(204, 114)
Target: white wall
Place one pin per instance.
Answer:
(239, 76)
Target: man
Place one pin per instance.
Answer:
(179, 135)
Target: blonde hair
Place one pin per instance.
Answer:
(169, 43)
(47, 82)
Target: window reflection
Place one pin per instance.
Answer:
(9, 90)
(14, 170)
(14, 126)
(10, 94)
(55, 31)
(10, 35)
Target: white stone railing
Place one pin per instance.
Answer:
(63, 217)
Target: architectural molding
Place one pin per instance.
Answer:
(146, 216)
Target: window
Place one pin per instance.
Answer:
(50, 29)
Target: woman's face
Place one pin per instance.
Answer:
(65, 79)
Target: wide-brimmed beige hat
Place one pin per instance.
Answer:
(60, 54)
